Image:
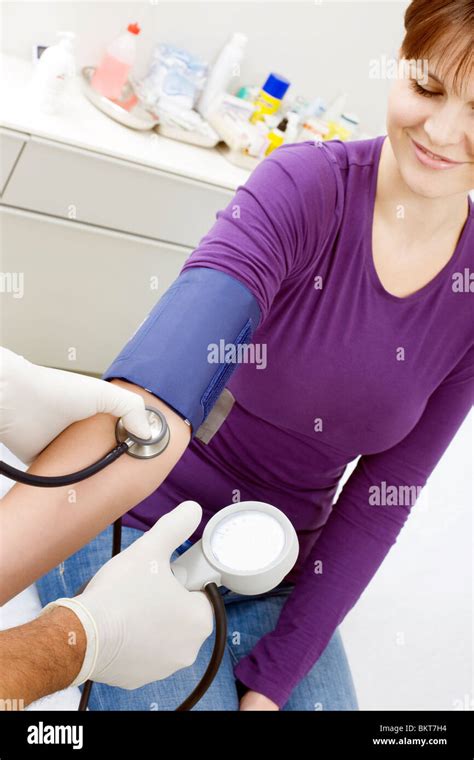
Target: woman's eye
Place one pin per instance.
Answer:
(421, 90)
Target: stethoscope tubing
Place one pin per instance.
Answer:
(55, 481)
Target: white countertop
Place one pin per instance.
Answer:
(82, 125)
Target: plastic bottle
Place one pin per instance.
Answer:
(53, 69)
(224, 69)
(338, 128)
(293, 126)
(276, 136)
(286, 131)
(333, 113)
(350, 122)
(112, 73)
(270, 96)
(316, 108)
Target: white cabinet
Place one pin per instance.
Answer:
(89, 187)
(86, 236)
(85, 290)
(11, 143)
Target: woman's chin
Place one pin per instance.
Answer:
(426, 183)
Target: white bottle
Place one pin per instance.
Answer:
(335, 109)
(350, 122)
(224, 69)
(53, 70)
(293, 127)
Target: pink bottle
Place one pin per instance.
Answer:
(112, 72)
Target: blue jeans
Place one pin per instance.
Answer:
(327, 686)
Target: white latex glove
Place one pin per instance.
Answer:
(37, 403)
(141, 624)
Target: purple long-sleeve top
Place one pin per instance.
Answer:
(351, 370)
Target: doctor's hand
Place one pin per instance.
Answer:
(37, 403)
(141, 624)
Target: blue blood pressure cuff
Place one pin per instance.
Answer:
(181, 351)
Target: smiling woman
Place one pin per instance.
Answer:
(426, 168)
(431, 118)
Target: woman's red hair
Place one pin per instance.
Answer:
(445, 29)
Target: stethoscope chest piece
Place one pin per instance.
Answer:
(141, 448)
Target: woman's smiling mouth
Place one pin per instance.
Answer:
(432, 160)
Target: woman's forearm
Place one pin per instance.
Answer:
(40, 527)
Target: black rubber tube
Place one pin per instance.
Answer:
(212, 592)
(54, 481)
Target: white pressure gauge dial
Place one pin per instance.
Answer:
(248, 547)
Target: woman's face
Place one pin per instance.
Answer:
(426, 114)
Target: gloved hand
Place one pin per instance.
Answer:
(37, 403)
(141, 624)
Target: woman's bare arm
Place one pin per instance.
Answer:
(40, 527)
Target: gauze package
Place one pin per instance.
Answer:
(175, 77)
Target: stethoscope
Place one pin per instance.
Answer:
(249, 547)
(140, 448)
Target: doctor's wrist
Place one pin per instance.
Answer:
(40, 657)
(82, 627)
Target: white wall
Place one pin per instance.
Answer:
(409, 637)
(321, 46)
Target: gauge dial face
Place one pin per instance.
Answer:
(247, 541)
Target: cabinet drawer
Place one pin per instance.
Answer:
(11, 144)
(88, 187)
(76, 287)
